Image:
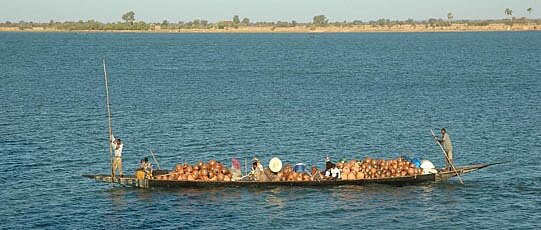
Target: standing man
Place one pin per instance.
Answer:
(117, 161)
(448, 147)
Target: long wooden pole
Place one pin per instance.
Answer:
(155, 159)
(446, 157)
(109, 121)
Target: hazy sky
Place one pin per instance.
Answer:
(260, 10)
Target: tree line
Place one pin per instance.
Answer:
(129, 22)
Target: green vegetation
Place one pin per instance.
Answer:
(320, 20)
(129, 17)
(236, 20)
(129, 23)
(508, 12)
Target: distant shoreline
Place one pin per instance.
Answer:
(305, 29)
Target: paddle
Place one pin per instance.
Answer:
(445, 154)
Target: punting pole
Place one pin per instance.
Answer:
(155, 160)
(445, 154)
(109, 121)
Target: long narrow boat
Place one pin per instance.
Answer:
(396, 181)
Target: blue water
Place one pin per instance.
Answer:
(201, 96)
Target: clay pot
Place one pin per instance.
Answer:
(205, 166)
(189, 169)
(225, 171)
(184, 177)
(220, 177)
(291, 177)
(178, 167)
(339, 165)
(190, 177)
(403, 173)
(411, 171)
(200, 164)
(196, 167)
(204, 172)
(345, 170)
(212, 162)
(352, 176)
(359, 176)
(227, 178)
(345, 176)
(368, 160)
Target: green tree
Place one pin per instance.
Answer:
(129, 17)
(508, 12)
(236, 19)
(529, 11)
(450, 16)
(245, 21)
(204, 23)
(320, 20)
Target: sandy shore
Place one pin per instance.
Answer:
(304, 29)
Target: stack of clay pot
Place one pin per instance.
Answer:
(377, 168)
(288, 174)
(211, 171)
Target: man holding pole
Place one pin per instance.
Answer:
(117, 161)
(445, 141)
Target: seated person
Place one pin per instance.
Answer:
(316, 174)
(257, 169)
(236, 173)
(328, 164)
(333, 174)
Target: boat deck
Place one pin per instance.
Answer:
(396, 181)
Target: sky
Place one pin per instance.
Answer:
(260, 10)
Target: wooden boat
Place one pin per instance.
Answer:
(395, 181)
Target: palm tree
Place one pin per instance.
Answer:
(450, 16)
(529, 11)
(508, 12)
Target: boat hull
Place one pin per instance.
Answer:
(395, 181)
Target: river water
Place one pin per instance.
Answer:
(296, 96)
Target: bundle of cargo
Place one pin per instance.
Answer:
(370, 168)
(289, 174)
(201, 171)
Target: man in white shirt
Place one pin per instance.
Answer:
(333, 173)
(117, 160)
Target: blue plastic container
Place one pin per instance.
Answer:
(300, 167)
(416, 161)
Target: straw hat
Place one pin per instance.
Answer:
(275, 164)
